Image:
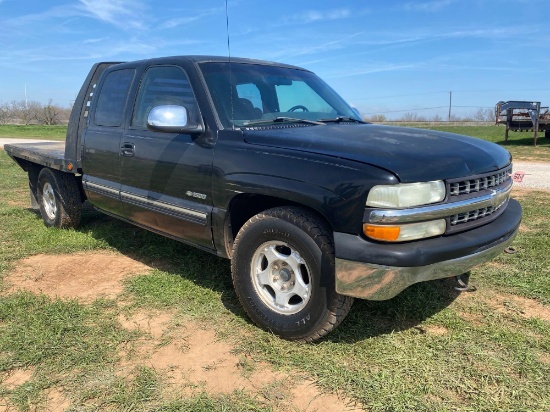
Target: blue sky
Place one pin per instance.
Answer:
(381, 56)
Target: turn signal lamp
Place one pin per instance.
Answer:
(403, 233)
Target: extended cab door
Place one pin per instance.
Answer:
(166, 177)
(101, 141)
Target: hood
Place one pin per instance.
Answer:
(411, 154)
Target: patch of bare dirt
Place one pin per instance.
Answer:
(505, 303)
(527, 308)
(85, 276)
(545, 358)
(10, 380)
(436, 330)
(18, 203)
(473, 318)
(192, 359)
(57, 401)
(16, 377)
(189, 358)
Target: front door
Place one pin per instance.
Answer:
(166, 177)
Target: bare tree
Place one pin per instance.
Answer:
(25, 112)
(484, 115)
(479, 115)
(490, 115)
(64, 114)
(4, 113)
(456, 118)
(49, 114)
(376, 118)
(412, 117)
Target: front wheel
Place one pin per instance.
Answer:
(283, 274)
(59, 199)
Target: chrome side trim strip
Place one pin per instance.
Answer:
(165, 208)
(496, 198)
(376, 282)
(103, 190)
(154, 205)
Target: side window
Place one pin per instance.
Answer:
(162, 85)
(251, 92)
(112, 98)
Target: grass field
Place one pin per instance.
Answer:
(519, 144)
(428, 349)
(33, 131)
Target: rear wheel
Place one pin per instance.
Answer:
(283, 273)
(59, 199)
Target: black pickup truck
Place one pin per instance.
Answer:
(265, 164)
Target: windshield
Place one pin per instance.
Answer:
(260, 92)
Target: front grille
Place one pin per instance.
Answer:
(466, 188)
(478, 183)
(473, 215)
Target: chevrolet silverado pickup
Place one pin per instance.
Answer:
(264, 164)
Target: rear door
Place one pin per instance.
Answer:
(166, 177)
(101, 141)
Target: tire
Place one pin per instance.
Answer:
(59, 198)
(283, 273)
(547, 133)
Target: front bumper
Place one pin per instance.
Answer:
(379, 271)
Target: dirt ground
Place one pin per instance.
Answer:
(189, 357)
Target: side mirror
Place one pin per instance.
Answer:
(171, 119)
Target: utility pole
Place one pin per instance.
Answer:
(450, 104)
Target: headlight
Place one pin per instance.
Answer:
(402, 233)
(406, 194)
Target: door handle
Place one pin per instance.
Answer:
(127, 149)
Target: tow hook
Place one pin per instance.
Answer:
(464, 286)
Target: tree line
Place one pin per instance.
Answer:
(480, 115)
(33, 112)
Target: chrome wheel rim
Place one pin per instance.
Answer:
(48, 200)
(281, 277)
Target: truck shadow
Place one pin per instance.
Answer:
(406, 311)
(366, 319)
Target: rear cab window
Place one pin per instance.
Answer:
(112, 98)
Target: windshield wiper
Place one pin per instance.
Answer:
(282, 120)
(341, 119)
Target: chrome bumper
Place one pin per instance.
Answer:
(376, 282)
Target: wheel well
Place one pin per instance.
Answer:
(244, 206)
(33, 170)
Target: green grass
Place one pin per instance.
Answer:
(427, 349)
(520, 144)
(54, 132)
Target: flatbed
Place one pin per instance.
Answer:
(50, 154)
